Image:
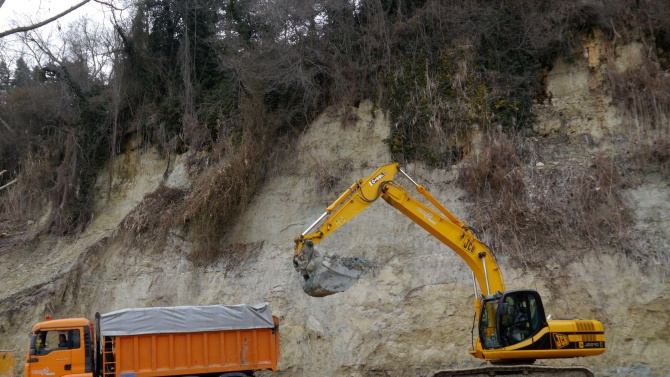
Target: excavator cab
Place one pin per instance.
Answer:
(510, 318)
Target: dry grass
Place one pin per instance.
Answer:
(219, 195)
(650, 153)
(238, 253)
(149, 223)
(64, 195)
(496, 169)
(642, 95)
(526, 209)
(29, 196)
(329, 178)
(329, 175)
(648, 159)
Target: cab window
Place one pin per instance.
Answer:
(534, 314)
(521, 319)
(45, 342)
(487, 325)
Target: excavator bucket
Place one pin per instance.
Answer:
(326, 275)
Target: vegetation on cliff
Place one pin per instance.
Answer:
(232, 83)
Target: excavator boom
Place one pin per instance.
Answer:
(335, 274)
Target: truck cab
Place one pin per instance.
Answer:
(62, 347)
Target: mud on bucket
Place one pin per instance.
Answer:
(326, 275)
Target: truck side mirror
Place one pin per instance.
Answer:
(503, 309)
(33, 344)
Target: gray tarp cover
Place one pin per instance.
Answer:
(179, 319)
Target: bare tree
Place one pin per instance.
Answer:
(40, 24)
(21, 29)
(92, 43)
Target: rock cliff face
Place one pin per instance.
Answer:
(411, 315)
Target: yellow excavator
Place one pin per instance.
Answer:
(513, 328)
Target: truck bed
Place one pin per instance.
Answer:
(188, 340)
(191, 353)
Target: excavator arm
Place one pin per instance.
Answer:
(450, 231)
(324, 275)
(352, 202)
(442, 224)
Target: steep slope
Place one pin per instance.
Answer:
(412, 315)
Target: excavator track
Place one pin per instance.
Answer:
(517, 370)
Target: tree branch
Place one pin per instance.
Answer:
(107, 3)
(39, 24)
(3, 173)
(9, 184)
(11, 131)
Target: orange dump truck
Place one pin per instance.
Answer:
(216, 340)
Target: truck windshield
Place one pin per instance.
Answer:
(44, 342)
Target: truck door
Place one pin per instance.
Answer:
(55, 353)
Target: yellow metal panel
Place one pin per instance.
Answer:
(586, 338)
(7, 363)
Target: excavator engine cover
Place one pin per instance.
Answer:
(326, 275)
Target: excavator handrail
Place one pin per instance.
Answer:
(443, 225)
